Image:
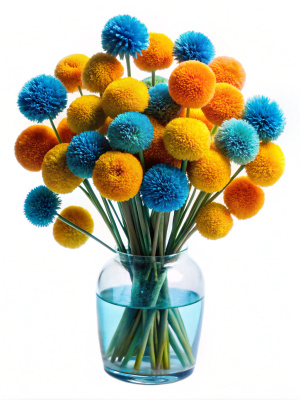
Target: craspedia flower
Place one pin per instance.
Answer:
(192, 84)
(268, 165)
(210, 173)
(130, 132)
(243, 198)
(126, 94)
(193, 46)
(186, 138)
(227, 103)
(237, 140)
(86, 114)
(100, 71)
(197, 113)
(118, 176)
(56, 174)
(161, 105)
(69, 71)
(33, 144)
(104, 128)
(69, 237)
(84, 150)
(64, 131)
(214, 221)
(266, 117)
(41, 206)
(124, 35)
(42, 97)
(158, 79)
(158, 54)
(228, 70)
(164, 188)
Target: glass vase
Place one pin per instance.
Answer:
(149, 317)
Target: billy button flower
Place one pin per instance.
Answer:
(104, 128)
(64, 131)
(228, 70)
(197, 113)
(214, 221)
(69, 71)
(193, 46)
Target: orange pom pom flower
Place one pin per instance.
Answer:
(214, 221)
(64, 131)
(228, 70)
(69, 71)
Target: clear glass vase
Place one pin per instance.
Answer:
(149, 317)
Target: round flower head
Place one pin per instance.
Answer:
(84, 150)
(161, 105)
(70, 237)
(124, 35)
(69, 71)
(100, 71)
(237, 140)
(268, 165)
(158, 55)
(266, 117)
(41, 206)
(197, 113)
(192, 84)
(42, 97)
(243, 198)
(104, 128)
(118, 176)
(130, 132)
(164, 188)
(64, 131)
(210, 173)
(85, 114)
(227, 103)
(33, 144)
(126, 94)
(193, 46)
(186, 138)
(158, 79)
(56, 174)
(214, 221)
(229, 70)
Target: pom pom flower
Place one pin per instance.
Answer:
(193, 46)
(214, 221)
(64, 131)
(104, 128)
(124, 35)
(130, 132)
(228, 70)
(158, 79)
(41, 206)
(84, 150)
(69, 71)
(197, 113)
(42, 97)
(164, 188)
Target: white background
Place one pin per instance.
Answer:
(251, 330)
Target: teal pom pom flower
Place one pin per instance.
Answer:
(83, 152)
(238, 141)
(42, 97)
(193, 46)
(164, 188)
(41, 206)
(265, 116)
(130, 132)
(124, 35)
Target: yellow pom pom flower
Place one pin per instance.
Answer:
(33, 144)
(69, 237)
(268, 166)
(118, 176)
(55, 172)
(86, 114)
(100, 71)
(197, 113)
(243, 198)
(192, 84)
(227, 103)
(210, 173)
(69, 71)
(228, 70)
(186, 138)
(214, 221)
(64, 131)
(104, 128)
(158, 55)
(126, 94)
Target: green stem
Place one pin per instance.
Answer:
(184, 165)
(180, 355)
(214, 130)
(187, 113)
(55, 130)
(184, 239)
(184, 343)
(132, 346)
(141, 237)
(80, 91)
(153, 78)
(142, 160)
(144, 226)
(115, 338)
(116, 214)
(131, 231)
(162, 335)
(127, 57)
(155, 237)
(114, 226)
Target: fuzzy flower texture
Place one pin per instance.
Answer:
(193, 46)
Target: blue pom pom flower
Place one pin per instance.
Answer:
(83, 152)
(130, 132)
(265, 116)
(41, 206)
(125, 35)
(161, 105)
(164, 188)
(193, 46)
(42, 97)
(238, 141)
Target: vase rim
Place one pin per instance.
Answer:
(181, 252)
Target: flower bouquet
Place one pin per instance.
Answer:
(159, 152)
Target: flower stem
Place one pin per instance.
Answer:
(155, 237)
(144, 340)
(127, 57)
(214, 130)
(153, 78)
(184, 165)
(142, 160)
(80, 91)
(187, 113)
(55, 130)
